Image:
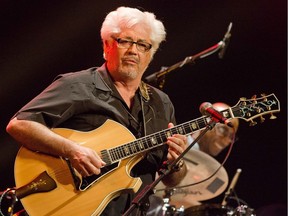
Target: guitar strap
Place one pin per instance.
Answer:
(144, 95)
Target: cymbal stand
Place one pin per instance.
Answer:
(141, 198)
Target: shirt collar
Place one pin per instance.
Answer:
(107, 83)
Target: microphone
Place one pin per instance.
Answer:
(206, 108)
(225, 42)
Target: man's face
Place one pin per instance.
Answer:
(214, 141)
(128, 63)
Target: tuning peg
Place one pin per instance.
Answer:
(258, 110)
(262, 119)
(264, 97)
(243, 99)
(252, 123)
(272, 116)
(254, 98)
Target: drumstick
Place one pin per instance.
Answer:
(232, 185)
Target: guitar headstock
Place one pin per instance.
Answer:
(249, 109)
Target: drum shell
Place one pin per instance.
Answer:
(206, 210)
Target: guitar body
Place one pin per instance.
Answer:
(65, 199)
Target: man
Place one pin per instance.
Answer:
(220, 137)
(85, 100)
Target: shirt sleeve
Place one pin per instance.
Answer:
(55, 104)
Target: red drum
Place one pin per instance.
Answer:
(207, 210)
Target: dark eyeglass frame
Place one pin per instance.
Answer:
(141, 46)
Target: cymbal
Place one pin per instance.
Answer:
(196, 185)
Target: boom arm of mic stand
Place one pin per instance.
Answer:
(143, 195)
(157, 76)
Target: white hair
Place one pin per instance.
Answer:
(125, 17)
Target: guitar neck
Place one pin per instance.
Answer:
(155, 140)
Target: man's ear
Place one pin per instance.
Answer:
(106, 47)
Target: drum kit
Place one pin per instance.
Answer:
(206, 178)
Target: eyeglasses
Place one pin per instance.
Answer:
(141, 46)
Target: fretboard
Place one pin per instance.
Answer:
(152, 141)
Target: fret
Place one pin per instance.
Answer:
(187, 129)
(162, 136)
(148, 142)
(126, 150)
(168, 133)
(162, 139)
(123, 152)
(106, 156)
(133, 148)
(141, 144)
(207, 120)
(144, 142)
(201, 124)
(174, 130)
(130, 149)
(159, 138)
(117, 153)
(193, 126)
(180, 130)
(113, 154)
(153, 140)
(197, 125)
(137, 147)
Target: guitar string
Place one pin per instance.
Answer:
(131, 148)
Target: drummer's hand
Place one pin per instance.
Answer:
(177, 144)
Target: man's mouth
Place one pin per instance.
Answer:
(130, 60)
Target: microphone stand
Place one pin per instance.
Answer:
(143, 195)
(158, 78)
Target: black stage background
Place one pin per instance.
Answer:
(40, 39)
